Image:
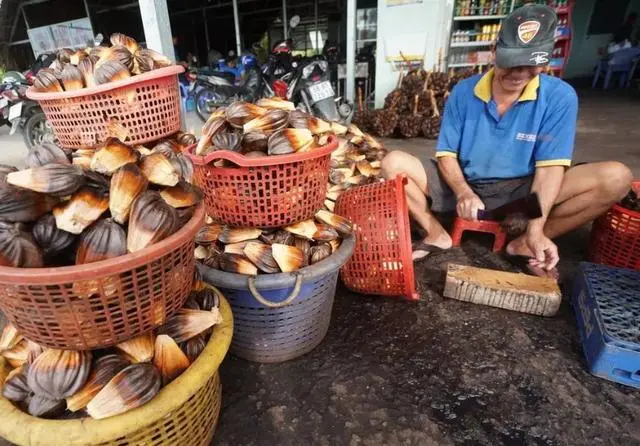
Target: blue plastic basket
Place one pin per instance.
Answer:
(606, 302)
(278, 317)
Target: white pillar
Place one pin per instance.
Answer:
(351, 51)
(236, 21)
(157, 28)
(285, 24)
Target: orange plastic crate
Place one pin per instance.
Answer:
(381, 262)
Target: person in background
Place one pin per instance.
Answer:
(624, 37)
(505, 134)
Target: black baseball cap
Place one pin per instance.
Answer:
(527, 37)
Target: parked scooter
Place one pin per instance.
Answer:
(23, 113)
(311, 90)
(217, 88)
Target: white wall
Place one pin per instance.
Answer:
(420, 28)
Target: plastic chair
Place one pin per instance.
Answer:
(460, 225)
(622, 62)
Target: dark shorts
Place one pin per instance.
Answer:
(493, 194)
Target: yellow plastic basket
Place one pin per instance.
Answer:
(183, 413)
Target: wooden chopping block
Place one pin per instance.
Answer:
(511, 291)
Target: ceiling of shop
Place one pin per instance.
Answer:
(258, 10)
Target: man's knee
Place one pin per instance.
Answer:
(396, 162)
(615, 179)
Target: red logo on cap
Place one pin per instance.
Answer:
(528, 30)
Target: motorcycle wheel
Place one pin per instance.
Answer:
(203, 98)
(37, 130)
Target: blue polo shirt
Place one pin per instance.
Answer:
(537, 131)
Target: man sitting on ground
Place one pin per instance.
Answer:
(503, 135)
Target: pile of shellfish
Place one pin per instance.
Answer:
(90, 67)
(356, 161)
(253, 251)
(271, 126)
(51, 383)
(91, 205)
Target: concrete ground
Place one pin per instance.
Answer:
(442, 372)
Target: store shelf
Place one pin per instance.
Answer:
(471, 44)
(366, 40)
(479, 17)
(562, 38)
(564, 10)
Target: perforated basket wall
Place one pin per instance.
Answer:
(147, 105)
(280, 334)
(268, 192)
(266, 334)
(194, 423)
(381, 262)
(185, 412)
(100, 304)
(607, 306)
(615, 237)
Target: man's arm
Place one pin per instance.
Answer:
(447, 154)
(468, 201)
(552, 154)
(546, 183)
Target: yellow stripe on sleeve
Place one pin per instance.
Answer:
(444, 153)
(558, 162)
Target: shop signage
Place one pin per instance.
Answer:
(71, 34)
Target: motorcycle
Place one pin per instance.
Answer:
(23, 113)
(18, 112)
(216, 89)
(311, 90)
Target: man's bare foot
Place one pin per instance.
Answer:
(431, 244)
(518, 249)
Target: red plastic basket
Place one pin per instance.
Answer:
(147, 105)
(615, 237)
(96, 305)
(265, 192)
(381, 262)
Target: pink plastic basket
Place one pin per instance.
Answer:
(147, 105)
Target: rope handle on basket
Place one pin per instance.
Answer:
(266, 302)
(243, 161)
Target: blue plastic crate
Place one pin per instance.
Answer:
(606, 302)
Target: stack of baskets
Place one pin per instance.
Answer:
(136, 293)
(277, 317)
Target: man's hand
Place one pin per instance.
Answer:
(545, 252)
(468, 205)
